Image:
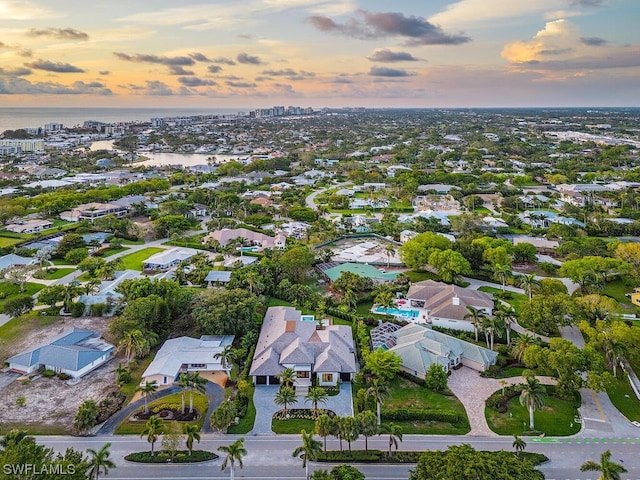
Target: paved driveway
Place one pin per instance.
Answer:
(341, 404)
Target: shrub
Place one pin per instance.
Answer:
(498, 401)
(110, 405)
(98, 309)
(18, 305)
(21, 401)
(181, 456)
(49, 374)
(403, 414)
(77, 309)
(436, 378)
(64, 376)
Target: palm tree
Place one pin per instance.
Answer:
(196, 383)
(507, 317)
(308, 451)
(389, 250)
(379, 392)
(368, 426)
(532, 395)
(325, 426)
(99, 461)
(14, 437)
(316, 396)
(521, 344)
(284, 397)
(148, 389)
(395, 434)
(225, 359)
(193, 433)
(475, 316)
(527, 282)
(133, 341)
(609, 470)
(518, 444)
(183, 383)
(287, 377)
(495, 326)
(502, 272)
(152, 429)
(349, 430)
(234, 452)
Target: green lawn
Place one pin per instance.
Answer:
(517, 300)
(112, 251)
(134, 260)
(8, 290)
(293, 425)
(58, 273)
(623, 397)
(246, 423)
(132, 242)
(137, 426)
(421, 276)
(404, 393)
(137, 369)
(8, 242)
(556, 418)
(618, 290)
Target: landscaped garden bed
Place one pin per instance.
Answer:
(180, 456)
(400, 456)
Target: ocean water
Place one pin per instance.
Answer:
(15, 118)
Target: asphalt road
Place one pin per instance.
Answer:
(269, 457)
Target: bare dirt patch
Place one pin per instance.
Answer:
(51, 403)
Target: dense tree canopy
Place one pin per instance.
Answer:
(226, 312)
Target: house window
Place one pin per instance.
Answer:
(302, 374)
(198, 365)
(327, 377)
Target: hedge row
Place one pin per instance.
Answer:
(402, 414)
(377, 456)
(181, 456)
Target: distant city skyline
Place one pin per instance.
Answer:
(258, 53)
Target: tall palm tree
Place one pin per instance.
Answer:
(148, 389)
(368, 426)
(325, 426)
(476, 317)
(378, 391)
(518, 444)
(152, 429)
(532, 395)
(284, 397)
(183, 383)
(349, 430)
(225, 360)
(193, 433)
(507, 317)
(527, 283)
(287, 377)
(197, 384)
(501, 273)
(389, 250)
(395, 435)
(99, 461)
(133, 341)
(308, 451)
(234, 452)
(495, 326)
(609, 470)
(316, 396)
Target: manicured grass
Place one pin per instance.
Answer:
(9, 290)
(556, 418)
(246, 423)
(404, 393)
(276, 302)
(36, 429)
(618, 290)
(132, 242)
(420, 276)
(623, 397)
(20, 326)
(517, 300)
(8, 242)
(175, 400)
(59, 261)
(134, 260)
(112, 251)
(58, 273)
(292, 426)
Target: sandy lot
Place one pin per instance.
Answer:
(51, 402)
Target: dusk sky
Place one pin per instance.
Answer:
(258, 53)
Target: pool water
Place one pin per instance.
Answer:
(307, 318)
(398, 312)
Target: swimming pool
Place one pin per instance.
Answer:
(398, 313)
(307, 318)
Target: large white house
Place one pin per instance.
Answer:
(186, 354)
(446, 305)
(289, 339)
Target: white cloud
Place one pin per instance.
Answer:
(470, 12)
(23, 10)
